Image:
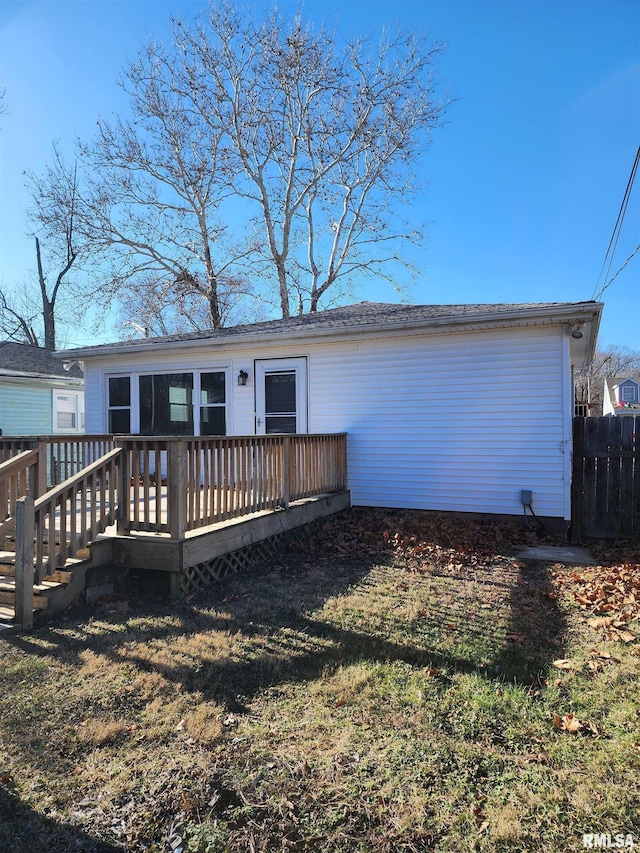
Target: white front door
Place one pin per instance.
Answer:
(281, 395)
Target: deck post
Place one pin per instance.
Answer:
(123, 519)
(177, 489)
(25, 524)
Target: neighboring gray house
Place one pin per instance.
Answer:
(38, 395)
(621, 398)
(446, 407)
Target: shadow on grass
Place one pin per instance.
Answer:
(276, 610)
(23, 830)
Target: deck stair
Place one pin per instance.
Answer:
(53, 594)
(161, 504)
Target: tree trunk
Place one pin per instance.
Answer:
(49, 318)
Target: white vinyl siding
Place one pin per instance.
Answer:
(458, 422)
(455, 422)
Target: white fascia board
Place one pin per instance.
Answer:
(585, 313)
(40, 378)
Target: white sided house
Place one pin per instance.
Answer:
(446, 407)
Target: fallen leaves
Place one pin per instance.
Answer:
(414, 538)
(514, 637)
(570, 723)
(563, 663)
(614, 628)
(605, 589)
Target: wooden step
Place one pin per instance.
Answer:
(7, 618)
(60, 576)
(40, 602)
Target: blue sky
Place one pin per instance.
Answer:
(524, 182)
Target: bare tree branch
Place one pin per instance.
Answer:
(256, 150)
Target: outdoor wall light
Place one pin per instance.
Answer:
(577, 332)
(242, 377)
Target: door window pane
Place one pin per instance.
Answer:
(280, 423)
(166, 404)
(280, 393)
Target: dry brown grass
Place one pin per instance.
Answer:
(380, 701)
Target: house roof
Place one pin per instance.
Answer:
(26, 361)
(372, 317)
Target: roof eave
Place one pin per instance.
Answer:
(559, 314)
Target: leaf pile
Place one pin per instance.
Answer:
(415, 538)
(605, 589)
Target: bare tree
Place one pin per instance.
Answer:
(612, 362)
(256, 152)
(157, 307)
(325, 138)
(153, 187)
(29, 313)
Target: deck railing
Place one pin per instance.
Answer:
(55, 526)
(19, 476)
(158, 485)
(65, 454)
(69, 516)
(182, 484)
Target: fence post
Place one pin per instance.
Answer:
(577, 480)
(25, 524)
(177, 489)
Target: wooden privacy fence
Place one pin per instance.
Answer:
(605, 486)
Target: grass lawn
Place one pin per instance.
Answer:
(396, 683)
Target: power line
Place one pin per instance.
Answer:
(635, 252)
(613, 242)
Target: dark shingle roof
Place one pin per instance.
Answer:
(33, 361)
(346, 317)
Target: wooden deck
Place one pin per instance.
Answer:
(168, 504)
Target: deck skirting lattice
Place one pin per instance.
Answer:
(195, 578)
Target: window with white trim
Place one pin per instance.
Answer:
(629, 394)
(68, 411)
(186, 403)
(119, 405)
(213, 403)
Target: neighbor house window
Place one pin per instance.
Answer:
(68, 412)
(629, 394)
(120, 404)
(213, 419)
(166, 404)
